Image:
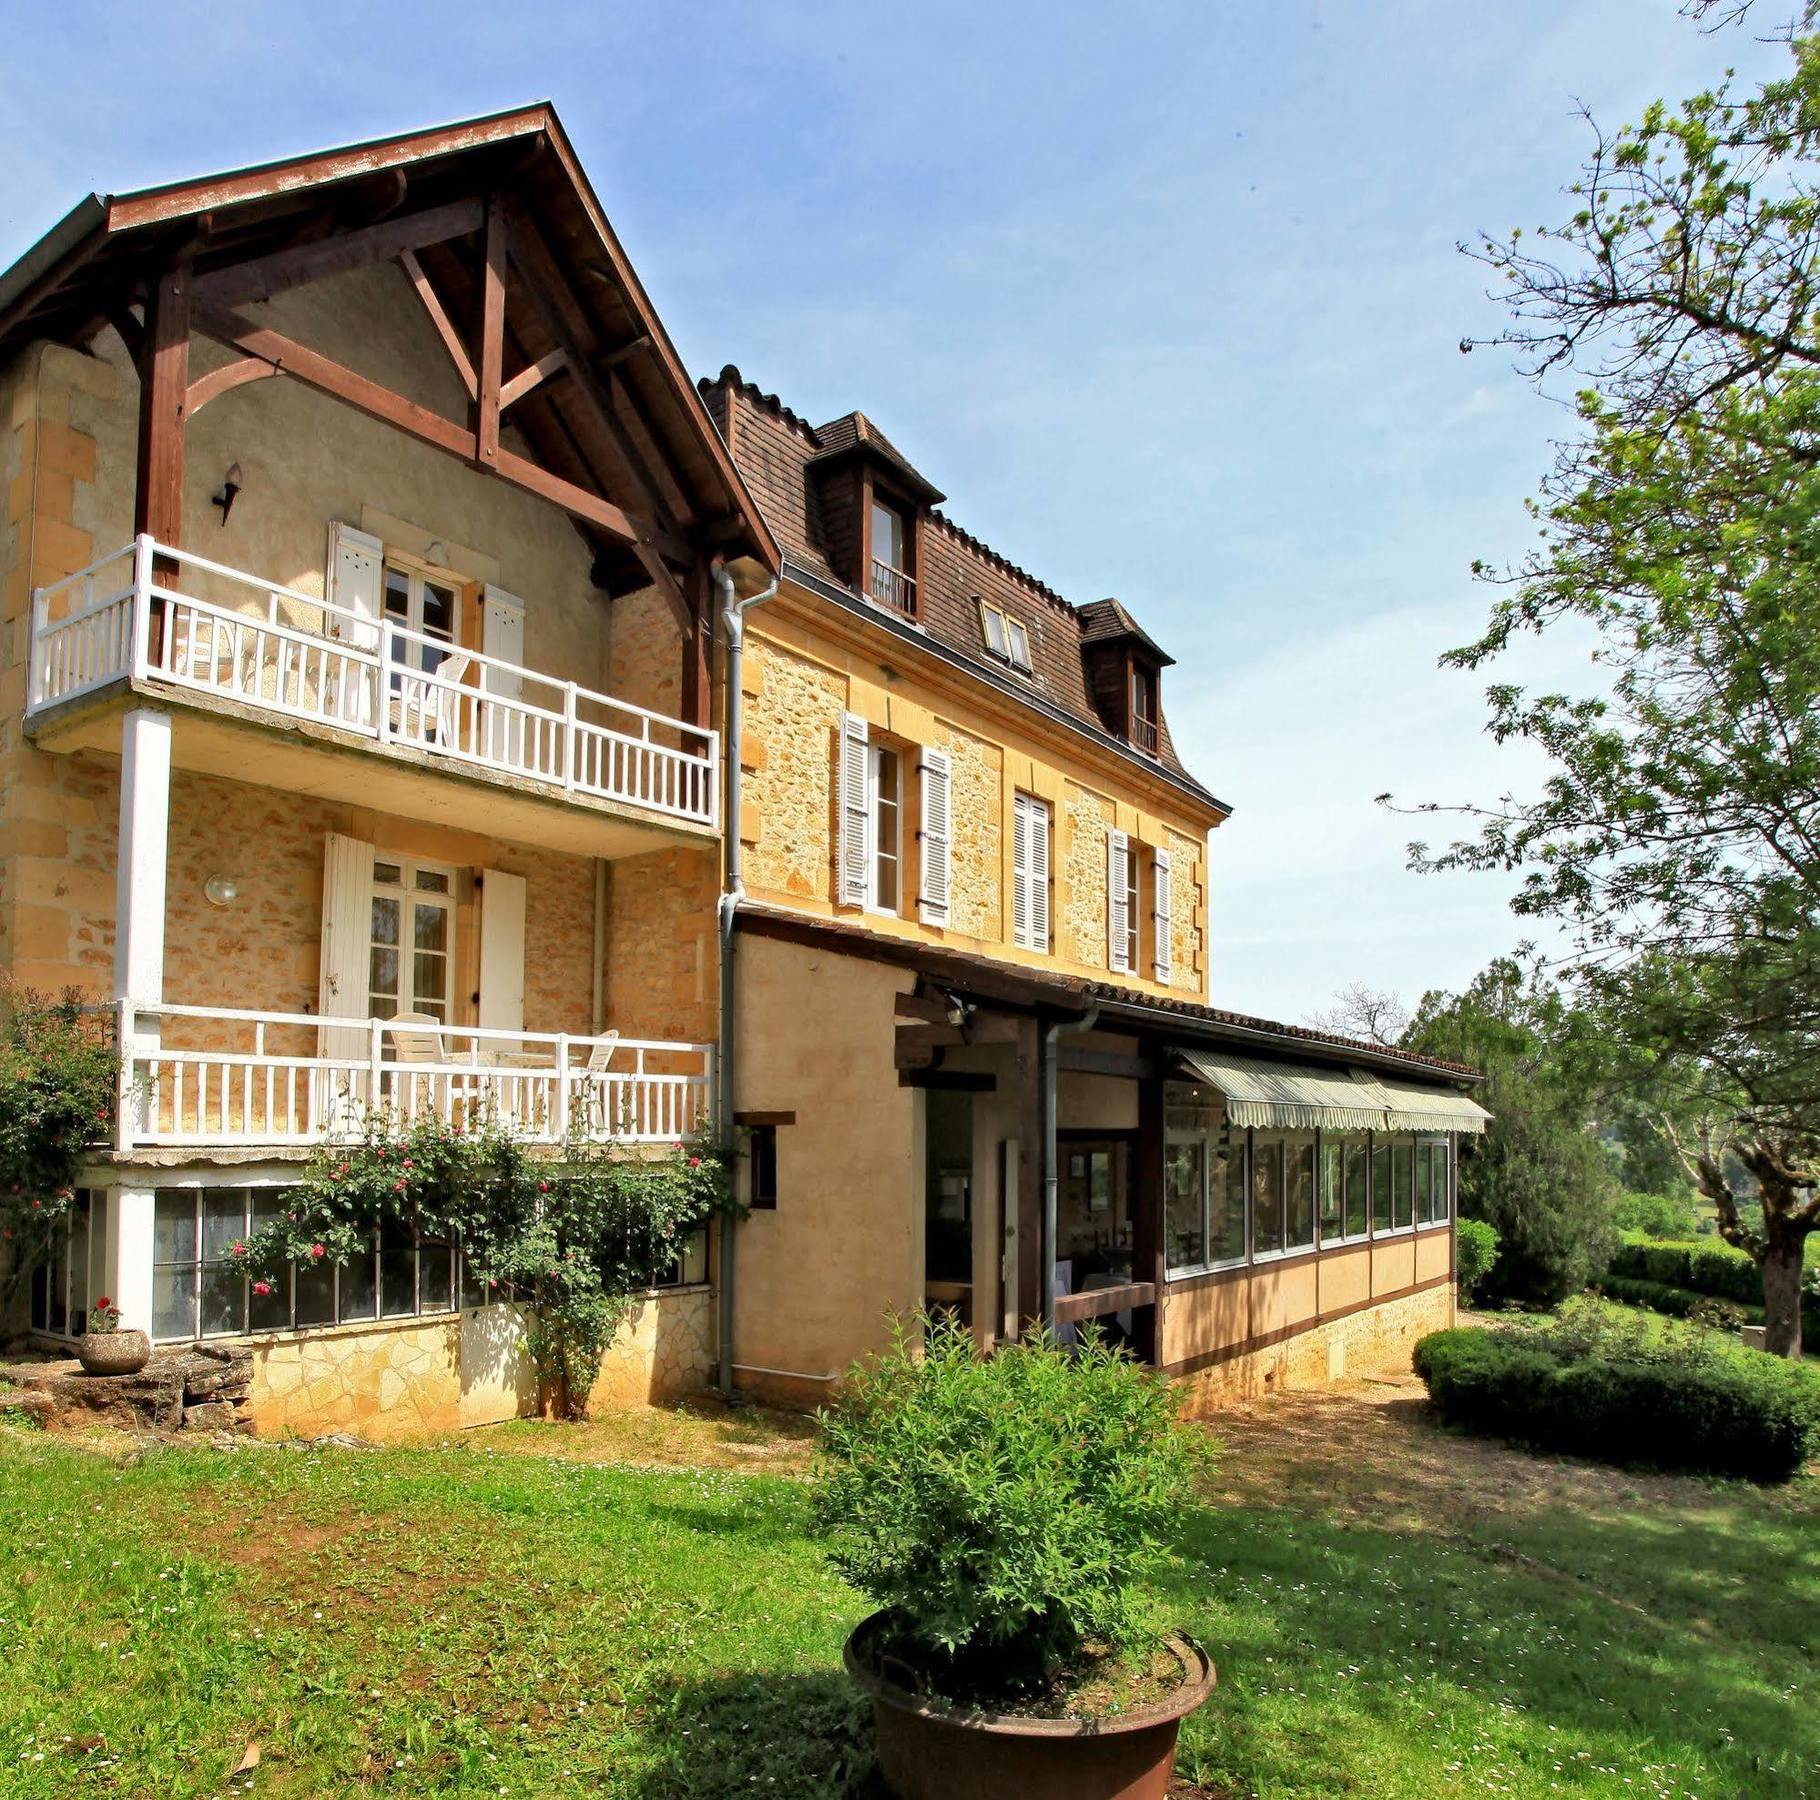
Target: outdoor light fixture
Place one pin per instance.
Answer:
(436, 551)
(960, 1014)
(231, 484)
(221, 890)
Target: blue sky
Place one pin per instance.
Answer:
(1164, 297)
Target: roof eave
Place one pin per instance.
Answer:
(69, 243)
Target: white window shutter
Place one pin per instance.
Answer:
(1118, 902)
(347, 924)
(1163, 914)
(1020, 871)
(502, 634)
(934, 859)
(356, 580)
(854, 816)
(502, 951)
(1039, 875)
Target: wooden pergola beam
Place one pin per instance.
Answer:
(492, 336)
(265, 276)
(222, 380)
(527, 380)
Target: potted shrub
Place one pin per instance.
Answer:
(104, 1349)
(1008, 1514)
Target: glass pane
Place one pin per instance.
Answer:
(695, 1257)
(223, 1221)
(434, 1271)
(429, 979)
(273, 1312)
(1358, 1155)
(397, 595)
(887, 536)
(1380, 1183)
(385, 920)
(430, 927)
(56, 1289)
(1227, 1238)
(1184, 1225)
(174, 1302)
(223, 1299)
(397, 1271)
(174, 1226)
(1299, 1223)
(432, 881)
(1333, 1187)
(1020, 644)
(316, 1294)
(438, 612)
(995, 632)
(1443, 1175)
(1266, 1194)
(358, 1291)
(387, 874)
(78, 1264)
(1400, 1182)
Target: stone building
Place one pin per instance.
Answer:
(416, 692)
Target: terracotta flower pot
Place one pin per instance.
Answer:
(929, 1750)
(113, 1352)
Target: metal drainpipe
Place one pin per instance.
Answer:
(733, 612)
(1047, 1043)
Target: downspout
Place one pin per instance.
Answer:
(733, 613)
(1048, 1042)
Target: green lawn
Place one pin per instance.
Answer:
(1393, 1611)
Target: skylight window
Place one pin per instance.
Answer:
(1006, 637)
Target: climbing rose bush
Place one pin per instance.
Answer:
(572, 1238)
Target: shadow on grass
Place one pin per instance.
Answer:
(808, 1736)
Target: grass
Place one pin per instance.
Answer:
(1393, 1611)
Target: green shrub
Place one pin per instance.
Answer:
(1656, 1215)
(1008, 1510)
(1589, 1389)
(1704, 1267)
(1475, 1251)
(1684, 1303)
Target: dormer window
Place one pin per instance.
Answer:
(1006, 637)
(1143, 708)
(892, 583)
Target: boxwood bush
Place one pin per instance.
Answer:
(1622, 1397)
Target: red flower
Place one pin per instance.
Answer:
(104, 1301)
(37, 1205)
(262, 1288)
(317, 1250)
(543, 1187)
(407, 1164)
(398, 1185)
(695, 1162)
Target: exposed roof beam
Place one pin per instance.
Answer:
(265, 276)
(220, 381)
(533, 377)
(439, 317)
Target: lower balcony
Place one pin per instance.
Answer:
(213, 1078)
(276, 686)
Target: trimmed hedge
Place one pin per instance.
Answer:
(1617, 1401)
(1709, 1268)
(1681, 1303)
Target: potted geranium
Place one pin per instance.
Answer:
(1008, 1514)
(104, 1349)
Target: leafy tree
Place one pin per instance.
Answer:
(1539, 1177)
(1677, 837)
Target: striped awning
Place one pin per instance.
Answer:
(1299, 1097)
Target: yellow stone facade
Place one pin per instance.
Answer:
(805, 668)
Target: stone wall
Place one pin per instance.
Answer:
(662, 962)
(418, 1376)
(1375, 1340)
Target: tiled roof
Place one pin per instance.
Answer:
(1107, 622)
(774, 448)
(852, 431)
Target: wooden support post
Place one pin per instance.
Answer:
(697, 651)
(1148, 1242)
(164, 382)
(492, 337)
(1029, 1176)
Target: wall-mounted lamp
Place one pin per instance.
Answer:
(221, 890)
(960, 1012)
(436, 551)
(231, 484)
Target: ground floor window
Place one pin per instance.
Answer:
(68, 1281)
(1282, 1192)
(199, 1288)
(1203, 1183)
(1434, 1185)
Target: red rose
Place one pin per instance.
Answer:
(238, 1249)
(398, 1185)
(407, 1164)
(317, 1250)
(543, 1187)
(103, 1301)
(262, 1288)
(695, 1162)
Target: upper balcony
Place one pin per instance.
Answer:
(569, 768)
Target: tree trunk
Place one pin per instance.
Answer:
(1781, 1266)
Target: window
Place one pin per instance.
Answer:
(1006, 637)
(1030, 873)
(884, 828)
(1402, 1182)
(1143, 709)
(1380, 1182)
(761, 1180)
(1203, 1183)
(1345, 1164)
(1433, 1204)
(1356, 1157)
(424, 605)
(199, 1289)
(63, 1283)
(891, 584)
(411, 939)
(1267, 1236)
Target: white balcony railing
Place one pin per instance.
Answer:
(218, 1076)
(287, 654)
